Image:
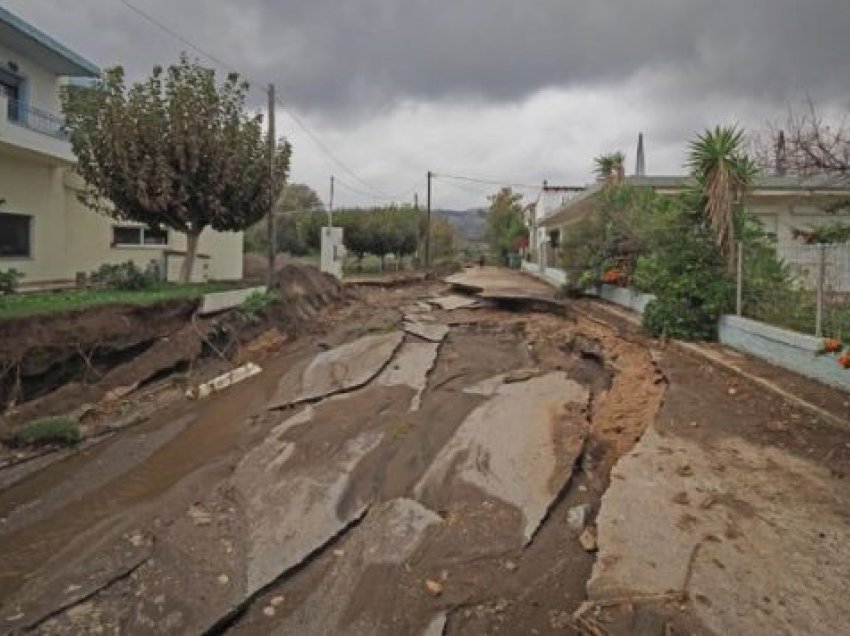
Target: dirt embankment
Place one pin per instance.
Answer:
(52, 364)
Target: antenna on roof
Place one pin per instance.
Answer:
(640, 162)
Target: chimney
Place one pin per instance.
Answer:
(640, 162)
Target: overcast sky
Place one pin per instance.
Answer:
(501, 89)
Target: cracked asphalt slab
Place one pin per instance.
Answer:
(435, 467)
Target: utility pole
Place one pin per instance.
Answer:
(272, 191)
(331, 205)
(428, 224)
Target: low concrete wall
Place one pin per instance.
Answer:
(221, 301)
(788, 349)
(552, 275)
(628, 298)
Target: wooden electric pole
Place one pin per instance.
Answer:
(428, 224)
(272, 191)
(331, 205)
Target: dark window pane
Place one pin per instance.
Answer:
(127, 235)
(14, 235)
(156, 237)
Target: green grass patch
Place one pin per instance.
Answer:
(37, 303)
(50, 430)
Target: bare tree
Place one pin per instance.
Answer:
(809, 143)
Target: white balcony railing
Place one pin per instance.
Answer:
(35, 130)
(36, 119)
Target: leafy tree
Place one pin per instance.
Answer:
(724, 173)
(298, 197)
(177, 150)
(442, 238)
(295, 201)
(504, 222)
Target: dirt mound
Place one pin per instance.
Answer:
(305, 292)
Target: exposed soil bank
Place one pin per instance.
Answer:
(52, 364)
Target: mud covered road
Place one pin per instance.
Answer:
(443, 462)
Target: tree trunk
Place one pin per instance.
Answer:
(383, 262)
(189, 259)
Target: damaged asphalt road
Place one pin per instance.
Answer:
(432, 465)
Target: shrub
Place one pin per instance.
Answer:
(50, 430)
(687, 273)
(127, 276)
(249, 311)
(9, 280)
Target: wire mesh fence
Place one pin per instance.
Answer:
(812, 298)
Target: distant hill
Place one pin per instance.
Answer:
(471, 224)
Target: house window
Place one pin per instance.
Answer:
(128, 235)
(15, 235)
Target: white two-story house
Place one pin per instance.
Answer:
(45, 232)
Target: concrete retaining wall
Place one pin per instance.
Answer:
(788, 349)
(221, 301)
(552, 275)
(794, 351)
(628, 298)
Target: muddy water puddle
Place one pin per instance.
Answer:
(105, 487)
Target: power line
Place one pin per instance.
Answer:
(230, 67)
(174, 34)
(488, 181)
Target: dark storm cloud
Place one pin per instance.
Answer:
(335, 55)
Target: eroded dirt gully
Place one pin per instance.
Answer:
(402, 483)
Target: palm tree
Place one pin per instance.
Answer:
(724, 173)
(610, 167)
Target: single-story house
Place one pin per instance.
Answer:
(45, 232)
(783, 204)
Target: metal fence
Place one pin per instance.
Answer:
(817, 299)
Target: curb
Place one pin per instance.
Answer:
(712, 358)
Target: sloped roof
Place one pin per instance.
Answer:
(25, 39)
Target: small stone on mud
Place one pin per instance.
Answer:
(15, 617)
(277, 601)
(223, 579)
(733, 390)
(510, 566)
(588, 539)
(199, 516)
(434, 588)
(520, 375)
(136, 539)
(577, 516)
(159, 600)
(339, 553)
(268, 610)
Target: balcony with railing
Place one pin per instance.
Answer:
(33, 129)
(36, 119)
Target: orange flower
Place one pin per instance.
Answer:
(830, 345)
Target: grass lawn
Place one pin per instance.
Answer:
(17, 305)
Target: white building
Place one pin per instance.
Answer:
(44, 231)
